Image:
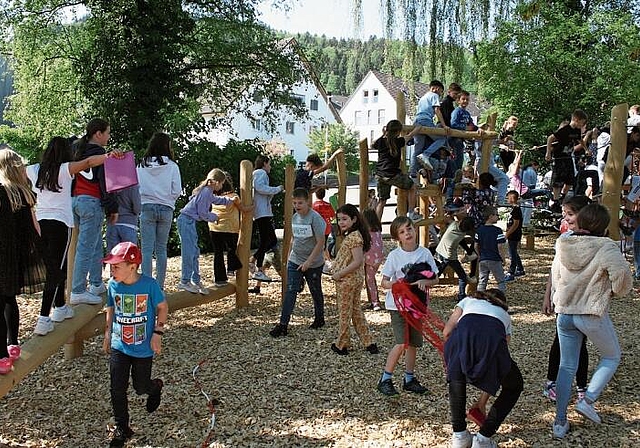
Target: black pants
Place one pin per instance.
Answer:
(511, 388)
(583, 363)
(268, 238)
(120, 366)
(9, 323)
(56, 237)
(221, 242)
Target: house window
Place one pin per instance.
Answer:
(370, 117)
(365, 96)
(298, 98)
(313, 105)
(380, 116)
(371, 135)
(256, 124)
(290, 127)
(375, 96)
(358, 118)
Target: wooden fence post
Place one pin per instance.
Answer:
(364, 174)
(613, 170)
(289, 182)
(244, 238)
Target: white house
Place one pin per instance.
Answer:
(290, 132)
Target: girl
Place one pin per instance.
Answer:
(51, 180)
(90, 204)
(477, 199)
(587, 271)
(373, 257)
(160, 185)
(199, 209)
(476, 351)
(21, 269)
(224, 235)
(506, 142)
(388, 171)
(348, 273)
(408, 253)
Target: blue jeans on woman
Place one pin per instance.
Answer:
(189, 250)
(313, 276)
(88, 217)
(155, 225)
(572, 328)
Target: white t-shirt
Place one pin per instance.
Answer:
(51, 205)
(399, 258)
(471, 305)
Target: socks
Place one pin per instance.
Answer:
(386, 376)
(408, 376)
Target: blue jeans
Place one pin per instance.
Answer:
(118, 234)
(636, 252)
(155, 225)
(503, 182)
(572, 328)
(189, 250)
(516, 261)
(313, 276)
(88, 216)
(421, 146)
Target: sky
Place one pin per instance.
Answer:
(332, 18)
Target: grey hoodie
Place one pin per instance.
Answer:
(160, 184)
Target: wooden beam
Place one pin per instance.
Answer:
(244, 238)
(487, 144)
(364, 174)
(341, 168)
(401, 114)
(289, 182)
(467, 135)
(613, 170)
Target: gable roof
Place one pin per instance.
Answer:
(395, 85)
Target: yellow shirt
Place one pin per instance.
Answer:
(228, 216)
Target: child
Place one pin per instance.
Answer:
(476, 351)
(490, 247)
(373, 199)
(326, 211)
(409, 252)
(136, 316)
(51, 180)
(21, 270)
(447, 250)
(388, 171)
(506, 142)
(587, 270)
(305, 261)
(224, 235)
(477, 199)
(312, 167)
(513, 235)
(461, 120)
(160, 185)
(373, 257)
(349, 276)
(199, 209)
(126, 226)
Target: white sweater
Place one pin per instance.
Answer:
(262, 194)
(160, 184)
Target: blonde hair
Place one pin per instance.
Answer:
(14, 179)
(215, 174)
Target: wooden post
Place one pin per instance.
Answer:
(341, 168)
(73, 347)
(613, 170)
(289, 182)
(487, 145)
(244, 238)
(364, 174)
(401, 115)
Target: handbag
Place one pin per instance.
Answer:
(120, 173)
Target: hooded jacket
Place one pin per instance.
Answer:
(160, 183)
(586, 272)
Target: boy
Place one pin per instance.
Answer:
(328, 213)
(136, 315)
(490, 247)
(461, 120)
(305, 260)
(561, 145)
(447, 105)
(513, 236)
(312, 167)
(408, 252)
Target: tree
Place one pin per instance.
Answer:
(330, 138)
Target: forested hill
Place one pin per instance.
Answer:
(342, 63)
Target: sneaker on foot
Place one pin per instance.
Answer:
(559, 431)
(414, 386)
(580, 392)
(254, 290)
(424, 161)
(587, 410)
(85, 297)
(377, 307)
(373, 349)
(386, 388)
(189, 287)
(97, 290)
(200, 288)
(519, 274)
(61, 313)
(483, 442)
(462, 439)
(278, 330)
(43, 326)
(509, 277)
(231, 273)
(549, 390)
(414, 216)
(153, 400)
(261, 276)
(220, 284)
(5, 365)
(120, 436)
(14, 352)
(316, 324)
(326, 269)
(339, 351)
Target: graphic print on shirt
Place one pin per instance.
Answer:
(302, 231)
(131, 317)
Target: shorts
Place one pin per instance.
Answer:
(399, 326)
(563, 172)
(400, 180)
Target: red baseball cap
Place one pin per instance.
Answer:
(126, 251)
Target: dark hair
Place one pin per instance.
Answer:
(58, 152)
(159, 146)
(579, 114)
(371, 218)
(455, 87)
(260, 162)
(494, 296)
(436, 83)
(390, 132)
(398, 222)
(488, 211)
(301, 193)
(94, 126)
(320, 192)
(314, 159)
(576, 203)
(467, 225)
(352, 212)
(514, 193)
(486, 180)
(594, 218)
(464, 93)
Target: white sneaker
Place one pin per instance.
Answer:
(97, 290)
(189, 287)
(200, 288)
(326, 269)
(43, 326)
(461, 439)
(424, 161)
(479, 441)
(85, 297)
(261, 276)
(61, 313)
(587, 410)
(560, 431)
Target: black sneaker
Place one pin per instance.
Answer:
(317, 324)
(153, 399)
(254, 290)
(278, 330)
(339, 351)
(386, 388)
(414, 386)
(520, 274)
(120, 436)
(373, 349)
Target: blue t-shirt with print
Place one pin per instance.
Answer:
(134, 315)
